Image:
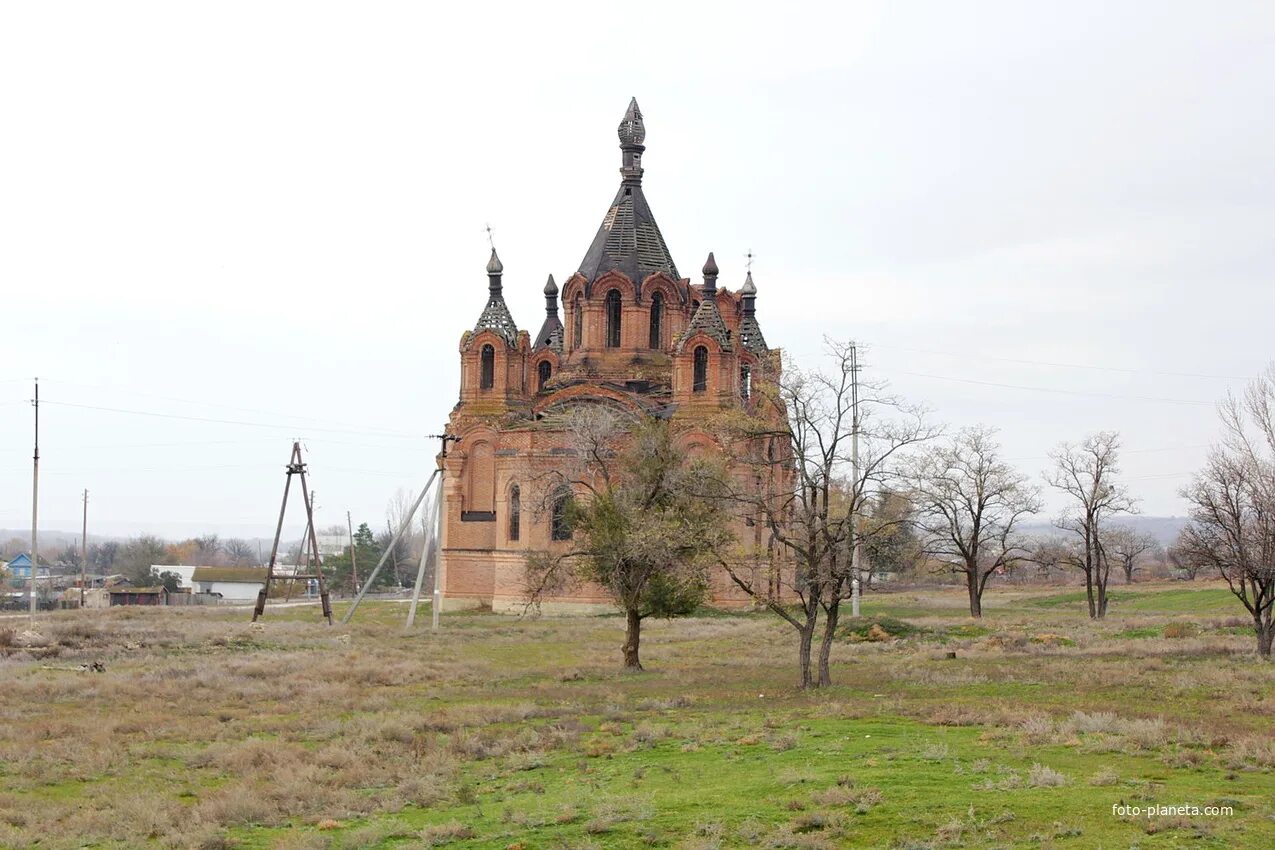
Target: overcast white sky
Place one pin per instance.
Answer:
(272, 215)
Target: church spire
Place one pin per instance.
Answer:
(707, 318)
(749, 331)
(550, 335)
(632, 133)
(629, 240)
(495, 315)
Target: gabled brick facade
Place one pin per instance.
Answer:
(634, 336)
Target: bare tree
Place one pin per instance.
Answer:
(1126, 545)
(1086, 473)
(808, 492)
(968, 504)
(240, 552)
(1232, 501)
(1181, 559)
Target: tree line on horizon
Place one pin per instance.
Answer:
(649, 521)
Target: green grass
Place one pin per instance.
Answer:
(500, 732)
(1191, 600)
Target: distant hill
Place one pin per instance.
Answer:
(1163, 528)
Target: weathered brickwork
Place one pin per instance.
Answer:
(633, 335)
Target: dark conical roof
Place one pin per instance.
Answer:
(629, 240)
(495, 315)
(708, 319)
(550, 335)
(750, 336)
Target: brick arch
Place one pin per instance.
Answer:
(699, 338)
(576, 283)
(550, 357)
(474, 340)
(695, 443)
(613, 280)
(479, 478)
(588, 393)
(673, 293)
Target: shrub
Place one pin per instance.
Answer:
(1041, 776)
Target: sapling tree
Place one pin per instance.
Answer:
(645, 521)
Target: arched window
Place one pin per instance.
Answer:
(515, 512)
(700, 381)
(560, 523)
(543, 371)
(488, 377)
(745, 381)
(577, 321)
(657, 318)
(480, 481)
(613, 318)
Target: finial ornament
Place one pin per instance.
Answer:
(632, 131)
(551, 287)
(494, 265)
(710, 266)
(490, 241)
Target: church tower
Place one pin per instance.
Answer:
(634, 336)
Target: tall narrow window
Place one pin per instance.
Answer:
(613, 318)
(560, 523)
(488, 377)
(657, 318)
(745, 381)
(515, 512)
(577, 321)
(543, 371)
(700, 382)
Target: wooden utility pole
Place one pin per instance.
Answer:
(354, 559)
(35, 503)
(296, 466)
(84, 548)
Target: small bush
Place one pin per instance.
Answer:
(1041, 776)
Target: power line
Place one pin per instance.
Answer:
(291, 428)
(1059, 391)
(203, 403)
(1124, 370)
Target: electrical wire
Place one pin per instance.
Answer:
(1057, 391)
(292, 428)
(1121, 369)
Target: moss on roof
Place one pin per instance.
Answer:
(249, 574)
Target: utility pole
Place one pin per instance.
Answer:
(856, 487)
(354, 559)
(35, 502)
(84, 548)
(443, 439)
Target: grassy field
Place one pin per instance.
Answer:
(206, 731)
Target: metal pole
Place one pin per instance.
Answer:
(84, 548)
(427, 543)
(354, 560)
(857, 489)
(437, 548)
(385, 556)
(35, 503)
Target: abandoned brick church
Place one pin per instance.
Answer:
(634, 335)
